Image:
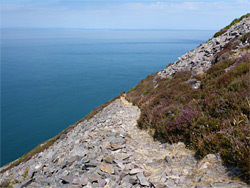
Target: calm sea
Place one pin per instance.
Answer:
(51, 78)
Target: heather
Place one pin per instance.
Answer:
(211, 119)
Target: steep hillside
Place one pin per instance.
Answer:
(197, 108)
(203, 98)
(110, 151)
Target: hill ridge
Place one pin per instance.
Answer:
(201, 58)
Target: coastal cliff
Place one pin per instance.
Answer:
(176, 128)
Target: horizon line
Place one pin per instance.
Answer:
(107, 28)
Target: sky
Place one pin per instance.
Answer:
(121, 14)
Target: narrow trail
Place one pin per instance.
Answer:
(110, 151)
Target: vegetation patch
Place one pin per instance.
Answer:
(211, 119)
(245, 38)
(25, 174)
(9, 183)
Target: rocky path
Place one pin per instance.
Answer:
(110, 151)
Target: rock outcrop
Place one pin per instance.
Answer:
(110, 151)
(201, 58)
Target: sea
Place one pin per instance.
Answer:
(51, 78)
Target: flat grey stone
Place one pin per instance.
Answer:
(24, 184)
(102, 183)
(126, 185)
(170, 183)
(142, 179)
(81, 180)
(227, 184)
(135, 171)
(121, 156)
(92, 163)
(67, 179)
(109, 159)
(201, 186)
(94, 177)
(71, 186)
(79, 151)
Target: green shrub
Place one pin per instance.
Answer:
(26, 171)
(221, 32)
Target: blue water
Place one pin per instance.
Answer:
(52, 78)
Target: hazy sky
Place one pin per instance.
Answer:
(122, 14)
